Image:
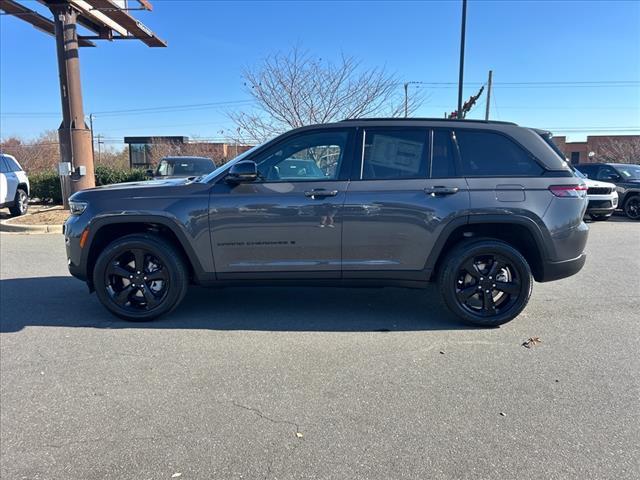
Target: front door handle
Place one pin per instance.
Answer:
(440, 190)
(320, 193)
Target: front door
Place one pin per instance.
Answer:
(287, 224)
(404, 194)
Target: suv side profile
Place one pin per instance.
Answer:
(484, 208)
(626, 177)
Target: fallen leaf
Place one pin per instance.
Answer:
(299, 434)
(532, 342)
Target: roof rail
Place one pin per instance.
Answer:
(402, 119)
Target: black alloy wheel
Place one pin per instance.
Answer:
(140, 277)
(632, 207)
(485, 282)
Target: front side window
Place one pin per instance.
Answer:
(307, 157)
(488, 154)
(394, 154)
(3, 165)
(607, 173)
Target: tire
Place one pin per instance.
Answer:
(468, 287)
(140, 294)
(599, 218)
(20, 203)
(632, 207)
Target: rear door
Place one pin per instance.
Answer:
(289, 223)
(404, 190)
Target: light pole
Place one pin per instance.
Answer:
(461, 76)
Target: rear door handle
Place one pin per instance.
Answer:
(440, 190)
(320, 193)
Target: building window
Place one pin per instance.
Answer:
(575, 158)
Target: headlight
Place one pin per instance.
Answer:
(77, 207)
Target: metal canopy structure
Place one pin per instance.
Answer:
(106, 20)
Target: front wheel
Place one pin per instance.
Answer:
(632, 208)
(140, 277)
(485, 282)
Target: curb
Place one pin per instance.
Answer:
(5, 226)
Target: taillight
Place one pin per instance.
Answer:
(568, 190)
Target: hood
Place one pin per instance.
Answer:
(164, 182)
(596, 183)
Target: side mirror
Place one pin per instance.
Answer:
(245, 171)
(149, 173)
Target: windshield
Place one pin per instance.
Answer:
(223, 167)
(184, 167)
(629, 172)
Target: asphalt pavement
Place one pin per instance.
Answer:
(294, 383)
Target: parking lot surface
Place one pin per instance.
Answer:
(320, 383)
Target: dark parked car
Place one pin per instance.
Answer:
(626, 177)
(484, 208)
(183, 167)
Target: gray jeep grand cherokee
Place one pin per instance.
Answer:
(484, 208)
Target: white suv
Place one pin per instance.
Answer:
(603, 199)
(14, 186)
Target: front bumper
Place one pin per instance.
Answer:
(72, 229)
(602, 204)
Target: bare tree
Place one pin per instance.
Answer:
(620, 150)
(295, 89)
(40, 154)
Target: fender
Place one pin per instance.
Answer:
(541, 237)
(97, 223)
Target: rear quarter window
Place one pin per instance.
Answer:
(489, 154)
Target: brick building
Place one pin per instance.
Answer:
(578, 152)
(144, 152)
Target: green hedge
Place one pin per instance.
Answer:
(46, 185)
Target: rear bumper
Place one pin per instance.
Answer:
(557, 270)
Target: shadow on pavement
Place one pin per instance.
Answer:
(65, 302)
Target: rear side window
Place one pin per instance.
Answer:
(487, 154)
(443, 159)
(3, 165)
(394, 154)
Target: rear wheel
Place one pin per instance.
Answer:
(140, 277)
(20, 203)
(632, 207)
(485, 282)
(599, 218)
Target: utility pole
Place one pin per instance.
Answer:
(93, 151)
(489, 82)
(461, 76)
(406, 99)
(99, 149)
(75, 137)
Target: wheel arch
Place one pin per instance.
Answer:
(523, 234)
(23, 186)
(103, 231)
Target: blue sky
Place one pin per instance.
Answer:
(211, 42)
